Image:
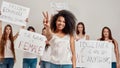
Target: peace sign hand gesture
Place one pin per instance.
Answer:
(46, 19)
(46, 23)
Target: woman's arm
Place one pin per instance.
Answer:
(22, 27)
(16, 35)
(72, 45)
(46, 24)
(116, 52)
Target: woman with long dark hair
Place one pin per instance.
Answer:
(107, 36)
(80, 32)
(80, 36)
(7, 51)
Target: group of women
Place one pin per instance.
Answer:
(60, 45)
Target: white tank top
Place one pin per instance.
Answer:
(60, 50)
(8, 52)
(82, 39)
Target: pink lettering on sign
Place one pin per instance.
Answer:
(27, 46)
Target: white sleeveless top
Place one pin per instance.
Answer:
(60, 50)
(8, 52)
(82, 39)
(46, 54)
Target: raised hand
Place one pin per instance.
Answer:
(46, 24)
(46, 21)
(26, 20)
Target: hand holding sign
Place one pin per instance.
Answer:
(26, 20)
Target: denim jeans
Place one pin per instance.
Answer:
(113, 64)
(61, 66)
(29, 63)
(7, 63)
(45, 64)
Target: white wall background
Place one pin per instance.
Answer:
(94, 13)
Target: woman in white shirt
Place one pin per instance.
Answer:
(80, 32)
(80, 36)
(7, 51)
(29, 59)
(59, 32)
(107, 36)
